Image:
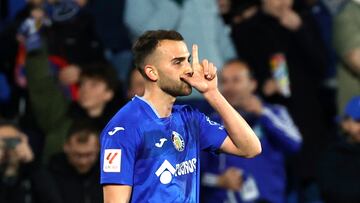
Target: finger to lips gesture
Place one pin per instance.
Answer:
(204, 74)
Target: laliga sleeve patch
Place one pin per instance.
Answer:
(112, 160)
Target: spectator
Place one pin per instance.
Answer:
(21, 180)
(347, 45)
(17, 106)
(98, 98)
(136, 84)
(278, 41)
(75, 38)
(186, 17)
(263, 178)
(339, 167)
(110, 27)
(225, 10)
(76, 170)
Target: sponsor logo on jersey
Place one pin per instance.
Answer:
(166, 171)
(112, 160)
(178, 141)
(115, 130)
(161, 143)
(221, 127)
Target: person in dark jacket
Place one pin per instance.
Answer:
(339, 168)
(285, 50)
(75, 171)
(261, 179)
(22, 179)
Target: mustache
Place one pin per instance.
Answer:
(185, 82)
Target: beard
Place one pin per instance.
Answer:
(175, 88)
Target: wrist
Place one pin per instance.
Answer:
(211, 94)
(220, 182)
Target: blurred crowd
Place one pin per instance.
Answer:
(290, 67)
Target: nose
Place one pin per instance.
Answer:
(189, 70)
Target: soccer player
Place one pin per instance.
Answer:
(150, 149)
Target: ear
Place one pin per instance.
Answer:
(253, 84)
(109, 95)
(345, 124)
(151, 72)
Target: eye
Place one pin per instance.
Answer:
(177, 62)
(189, 59)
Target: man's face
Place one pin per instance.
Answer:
(171, 59)
(352, 128)
(82, 156)
(236, 83)
(93, 93)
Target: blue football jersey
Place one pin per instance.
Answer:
(158, 157)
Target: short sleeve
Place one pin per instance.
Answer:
(118, 153)
(212, 134)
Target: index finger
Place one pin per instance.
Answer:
(195, 57)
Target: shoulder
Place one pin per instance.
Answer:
(183, 108)
(275, 108)
(128, 114)
(127, 119)
(187, 111)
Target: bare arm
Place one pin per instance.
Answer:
(117, 193)
(241, 140)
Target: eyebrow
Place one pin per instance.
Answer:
(182, 58)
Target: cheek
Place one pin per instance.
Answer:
(356, 128)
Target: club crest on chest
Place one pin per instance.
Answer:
(178, 141)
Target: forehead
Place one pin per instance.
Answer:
(89, 144)
(234, 69)
(8, 131)
(170, 49)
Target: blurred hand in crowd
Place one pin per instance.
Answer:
(253, 105)
(282, 10)
(270, 87)
(16, 149)
(290, 20)
(70, 74)
(231, 179)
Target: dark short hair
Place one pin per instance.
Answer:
(82, 129)
(102, 71)
(147, 43)
(241, 61)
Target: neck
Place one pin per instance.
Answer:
(161, 101)
(96, 111)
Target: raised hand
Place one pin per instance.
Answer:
(204, 76)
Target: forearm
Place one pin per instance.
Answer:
(49, 104)
(240, 133)
(117, 193)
